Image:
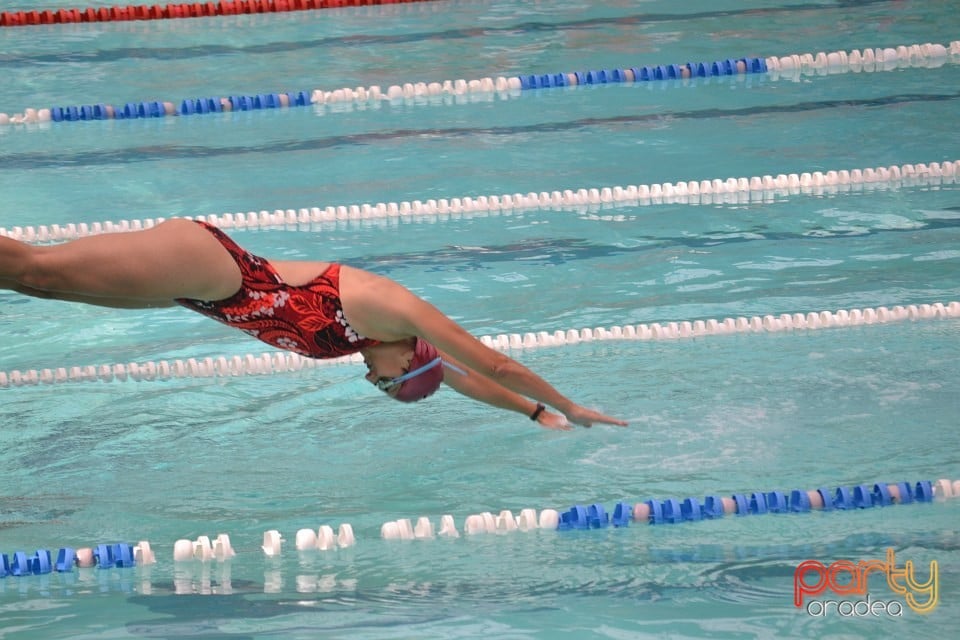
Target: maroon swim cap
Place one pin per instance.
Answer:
(425, 383)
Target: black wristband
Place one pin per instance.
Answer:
(536, 412)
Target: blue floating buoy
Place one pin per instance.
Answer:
(597, 77)
(40, 562)
(56, 114)
(673, 72)
(86, 112)
(19, 566)
(622, 512)
(671, 511)
(130, 110)
(213, 105)
(776, 502)
(104, 556)
(713, 507)
(799, 501)
(757, 65)
(580, 76)
(862, 497)
(924, 491)
(842, 498)
(597, 516)
(4, 565)
(698, 70)
(528, 82)
(187, 108)
(691, 510)
(122, 555)
(575, 518)
(636, 73)
(906, 493)
(656, 511)
(73, 114)
(881, 495)
(618, 75)
(559, 80)
(302, 98)
(99, 112)
(758, 503)
(743, 507)
(827, 497)
(66, 558)
(646, 74)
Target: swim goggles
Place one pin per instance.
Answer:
(385, 384)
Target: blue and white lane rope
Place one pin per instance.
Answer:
(730, 190)
(281, 362)
(594, 516)
(790, 67)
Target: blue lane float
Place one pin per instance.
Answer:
(674, 511)
(737, 66)
(104, 556)
(216, 104)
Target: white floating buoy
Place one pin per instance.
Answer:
(424, 528)
(527, 520)
(448, 527)
(474, 524)
(222, 549)
(271, 543)
(549, 519)
(345, 537)
(143, 554)
(405, 528)
(325, 538)
(202, 549)
(390, 531)
(182, 550)
(506, 522)
(306, 539)
(943, 489)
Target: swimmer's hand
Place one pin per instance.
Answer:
(586, 417)
(556, 421)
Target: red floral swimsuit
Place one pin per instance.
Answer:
(305, 319)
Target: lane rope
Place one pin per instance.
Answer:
(125, 13)
(203, 550)
(730, 190)
(227, 366)
(789, 67)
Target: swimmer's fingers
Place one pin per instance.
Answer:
(586, 417)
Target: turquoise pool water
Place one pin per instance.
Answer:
(89, 463)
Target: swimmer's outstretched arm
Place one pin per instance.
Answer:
(385, 308)
(478, 387)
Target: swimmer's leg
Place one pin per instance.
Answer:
(176, 259)
(115, 303)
